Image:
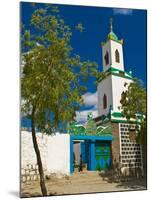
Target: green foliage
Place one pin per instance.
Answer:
(101, 76)
(134, 100)
(52, 78)
(80, 27)
(134, 105)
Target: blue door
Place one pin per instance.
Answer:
(102, 155)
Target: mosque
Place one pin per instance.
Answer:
(102, 142)
(108, 139)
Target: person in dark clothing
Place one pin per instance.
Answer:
(80, 164)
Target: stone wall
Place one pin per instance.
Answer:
(29, 173)
(144, 157)
(55, 155)
(115, 144)
(29, 167)
(126, 152)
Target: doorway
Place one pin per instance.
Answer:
(102, 155)
(79, 150)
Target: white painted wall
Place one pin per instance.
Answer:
(117, 89)
(104, 87)
(28, 156)
(112, 86)
(54, 150)
(111, 47)
(106, 47)
(115, 45)
(59, 154)
(77, 151)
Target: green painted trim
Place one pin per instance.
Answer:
(118, 41)
(125, 121)
(122, 76)
(117, 114)
(129, 74)
(118, 120)
(90, 129)
(111, 71)
(112, 36)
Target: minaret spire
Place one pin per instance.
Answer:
(111, 26)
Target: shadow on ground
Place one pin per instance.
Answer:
(85, 182)
(131, 182)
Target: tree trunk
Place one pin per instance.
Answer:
(39, 162)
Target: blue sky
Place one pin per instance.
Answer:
(128, 24)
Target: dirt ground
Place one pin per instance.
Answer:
(84, 182)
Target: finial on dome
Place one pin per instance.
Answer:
(111, 26)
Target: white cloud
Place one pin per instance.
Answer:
(90, 99)
(122, 11)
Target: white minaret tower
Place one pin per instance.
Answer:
(112, 51)
(114, 79)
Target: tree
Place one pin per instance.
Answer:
(52, 82)
(134, 105)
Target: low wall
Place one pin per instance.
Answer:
(59, 154)
(55, 155)
(29, 167)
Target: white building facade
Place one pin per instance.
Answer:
(116, 79)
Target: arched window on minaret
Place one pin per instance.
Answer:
(106, 58)
(104, 101)
(117, 56)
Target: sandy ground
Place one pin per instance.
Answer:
(78, 183)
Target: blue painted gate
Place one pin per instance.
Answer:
(95, 151)
(102, 155)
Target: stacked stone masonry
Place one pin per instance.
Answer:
(29, 167)
(115, 144)
(30, 173)
(130, 150)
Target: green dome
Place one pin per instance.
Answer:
(112, 36)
